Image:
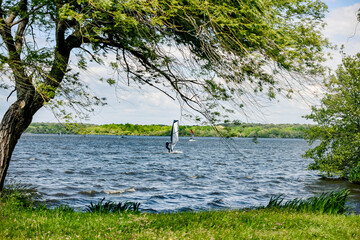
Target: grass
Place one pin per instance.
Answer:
(111, 207)
(236, 224)
(330, 202)
(18, 221)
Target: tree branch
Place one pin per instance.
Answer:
(149, 83)
(92, 55)
(10, 19)
(7, 99)
(27, 15)
(19, 35)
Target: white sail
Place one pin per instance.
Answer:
(174, 138)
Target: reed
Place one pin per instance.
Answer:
(111, 207)
(330, 202)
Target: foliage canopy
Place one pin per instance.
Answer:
(201, 52)
(338, 119)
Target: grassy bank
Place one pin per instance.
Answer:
(20, 223)
(228, 130)
(20, 220)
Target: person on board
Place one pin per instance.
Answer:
(167, 145)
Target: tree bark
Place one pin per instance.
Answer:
(15, 121)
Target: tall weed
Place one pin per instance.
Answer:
(330, 202)
(109, 206)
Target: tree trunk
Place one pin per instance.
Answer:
(14, 123)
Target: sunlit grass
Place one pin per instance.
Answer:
(109, 220)
(27, 223)
(19, 221)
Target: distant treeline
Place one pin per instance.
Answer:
(225, 130)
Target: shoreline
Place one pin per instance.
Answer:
(225, 130)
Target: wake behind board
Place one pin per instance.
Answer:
(175, 152)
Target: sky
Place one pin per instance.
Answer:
(148, 106)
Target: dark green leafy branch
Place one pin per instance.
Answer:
(338, 124)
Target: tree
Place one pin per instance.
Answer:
(338, 124)
(203, 53)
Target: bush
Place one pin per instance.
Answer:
(354, 175)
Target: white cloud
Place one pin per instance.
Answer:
(342, 21)
(344, 29)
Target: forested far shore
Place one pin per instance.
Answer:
(224, 130)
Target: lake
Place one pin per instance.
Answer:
(209, 173)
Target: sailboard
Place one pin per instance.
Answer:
(192, 136)
(174, 137)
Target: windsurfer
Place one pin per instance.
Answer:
(167, 145)
(192, 135)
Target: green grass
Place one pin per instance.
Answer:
(111, 207)
(330, 202)
(27, 222)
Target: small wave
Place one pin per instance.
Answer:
(197, 176)
(89, 193)
(32, 159)
(184, 209)
(130, 163)
(61, 194)
(220, 163)
(87, 171)
(145, 189)
(158, 197)
(130, 189)
(119, 191)
(217, 203)
(216, 193)
(114, 191)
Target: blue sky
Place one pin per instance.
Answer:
(147, 106)
(332, 4)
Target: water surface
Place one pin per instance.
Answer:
(208, 173)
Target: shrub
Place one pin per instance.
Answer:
(354, 175)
